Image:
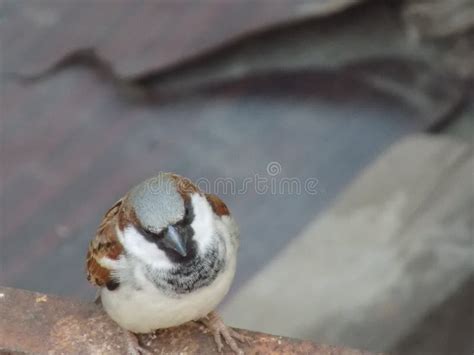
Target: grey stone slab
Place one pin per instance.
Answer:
(394, 245)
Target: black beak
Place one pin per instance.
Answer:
(174, 240)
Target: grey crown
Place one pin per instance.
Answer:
(157, 202)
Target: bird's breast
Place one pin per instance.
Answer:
(142, 307)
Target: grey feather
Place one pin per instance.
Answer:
(158, 193)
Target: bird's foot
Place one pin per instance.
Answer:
(220, 330)
(133, 345)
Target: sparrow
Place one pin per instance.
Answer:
(165, 254)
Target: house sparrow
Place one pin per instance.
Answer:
(165, 254)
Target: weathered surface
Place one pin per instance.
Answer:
(138, 36)
(37, 323)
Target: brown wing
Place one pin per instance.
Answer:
(218, 206)
(105, 244)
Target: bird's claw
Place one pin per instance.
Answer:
(240, 337)
(221, 331)
(134, 347)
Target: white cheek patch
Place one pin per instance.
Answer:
(135, 244)
(203, 223)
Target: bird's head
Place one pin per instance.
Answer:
(167, 220)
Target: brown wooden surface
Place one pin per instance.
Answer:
(35, 323)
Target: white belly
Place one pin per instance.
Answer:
(148, 309)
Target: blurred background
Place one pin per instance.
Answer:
(371, 100)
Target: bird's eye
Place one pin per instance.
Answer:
(160, 235)
(151, 235)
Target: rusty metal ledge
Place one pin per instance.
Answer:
(37, 323)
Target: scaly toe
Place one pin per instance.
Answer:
(220, 330)
(240, 337)
(232, 344)
(218, 341)
(133, 345)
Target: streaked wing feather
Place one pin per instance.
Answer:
(105, 244)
